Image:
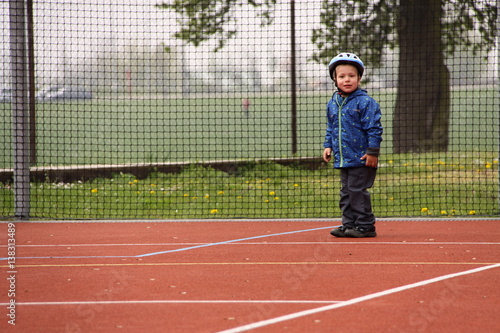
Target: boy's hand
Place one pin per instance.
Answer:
(327, 155)
(371, 161)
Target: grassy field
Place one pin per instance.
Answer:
(429, 186)
(461, 182)
(106, 131)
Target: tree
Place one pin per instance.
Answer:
(202, 20)
(420, 29)
(424, 34)
(422, 111)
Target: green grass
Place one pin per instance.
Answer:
(458, 182)
(106, 131)
(426, 187)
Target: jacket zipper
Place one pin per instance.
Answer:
(340, 127)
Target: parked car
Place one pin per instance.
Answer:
(5, 95)
(62, 93)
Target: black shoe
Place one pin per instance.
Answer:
(340, 231)
(360, 232)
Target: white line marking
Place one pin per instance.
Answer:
(236, 220)
(176, 302)
(353, 301)
(262, 243)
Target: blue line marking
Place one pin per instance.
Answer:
(227, 242)
(175, 250)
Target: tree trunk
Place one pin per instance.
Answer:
(422, 111)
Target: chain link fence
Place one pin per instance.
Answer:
(141, 109)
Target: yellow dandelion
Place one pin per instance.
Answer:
(185, 195)
(488, 166)
(266, 201)
(391, 161)
(472, 212)
(131, 183)
(272, 193)
(220, 192)
(153, 185)
(136, 181)
(443, 212)
(239, 197)
(424, 210)
(152, 192)
(214, 211)
(276, 198)
(94, 190)
(391, 198)
(207, 196)
(296, 185)
(441, 162)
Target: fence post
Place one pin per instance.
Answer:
(20, 112)
(293, 77)
(31, 80)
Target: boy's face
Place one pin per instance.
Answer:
(347, 78)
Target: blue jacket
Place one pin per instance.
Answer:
(353, 128)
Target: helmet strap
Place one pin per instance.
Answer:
(338, 89)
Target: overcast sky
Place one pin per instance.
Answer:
(79, 30)
(73, 31)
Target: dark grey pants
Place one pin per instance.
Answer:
(355, 201)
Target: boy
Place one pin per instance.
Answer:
(353, 136)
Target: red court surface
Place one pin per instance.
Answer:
(249, 276)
